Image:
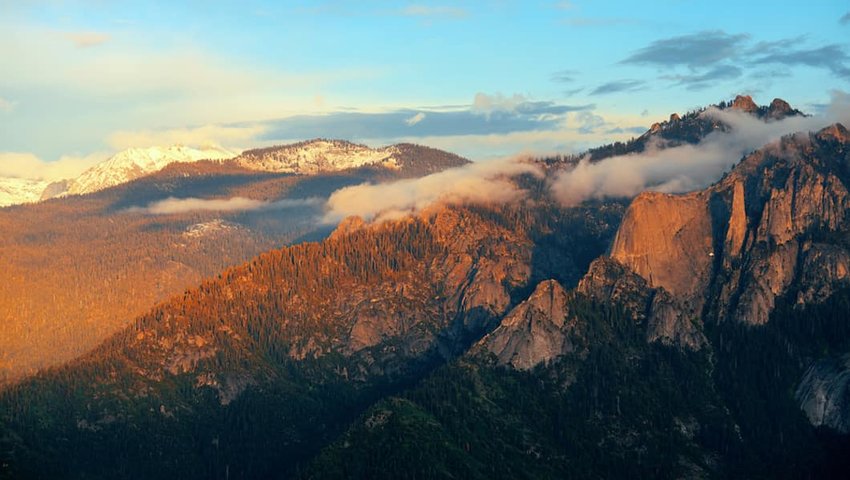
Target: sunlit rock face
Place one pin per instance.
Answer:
(737, 246)
(536, 331)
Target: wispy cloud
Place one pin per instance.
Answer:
(415, 119)
(699, 81)
(694, 50)
(717, 55)
(687, 167)
(564, 76)
(231, 136)
(626, 85)
(87, 39)
(27, 165)
(486, 182)
(831, 57)
(488, 114)
(173, 205)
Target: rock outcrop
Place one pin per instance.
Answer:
(745, 237)
(668, 320)
(745, 103)
(824, 393)
(536, 331)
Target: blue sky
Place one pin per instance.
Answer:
(82, 79)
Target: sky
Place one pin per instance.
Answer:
(81, 80)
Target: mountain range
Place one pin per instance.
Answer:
(694, 335)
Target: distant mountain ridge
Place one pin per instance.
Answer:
(310, 157)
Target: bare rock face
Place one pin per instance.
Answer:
(667, 240)
(745, 103)
(779, 109)
(536, 331)
(743, 237)
(668, 320)
(610, 281)
(825, 268)
(824, 393)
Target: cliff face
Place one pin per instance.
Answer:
(732, 249)
(535, 331)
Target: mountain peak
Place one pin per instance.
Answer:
(779, 108)
(744, 103)
(136, 162)
(318, 155)
(836, 131)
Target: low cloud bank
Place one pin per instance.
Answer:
(182, 205)
(486, 182)
(687, 167)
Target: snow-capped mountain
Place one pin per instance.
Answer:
(136, 162)
(315, 156)
(14, 191)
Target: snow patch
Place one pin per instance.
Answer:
(14, 191)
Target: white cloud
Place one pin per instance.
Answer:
(181, 205)
(487, 104)
(415, 119)
(198, 137)
(27, 165)
(687, 167)
(486, 182)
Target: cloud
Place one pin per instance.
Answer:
(198, 137)
(589, 122)
(436, 11)
(699, 81)
(564, 76)
(27, 165)
(487, 115)
(845, 19)
(415, 119)
(485, 182)
(627, 85)
(173, 205)
(6, 105)
(87, 39)
(694, 50)
(831, 57)
(565, 5)
(687, 167)
(717, 55)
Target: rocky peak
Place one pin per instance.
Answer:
(666, 239)
(744, 237)
(674, 117)
(536, 331)
(779, 109)
(836, 132)
(667, 319)
(744, 103)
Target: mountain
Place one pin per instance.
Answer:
(133, 163)
(327, 156)
(14, 191)
(692, 127)
(701, 335)
(711, 343)
(275, 357)
(82, 267)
